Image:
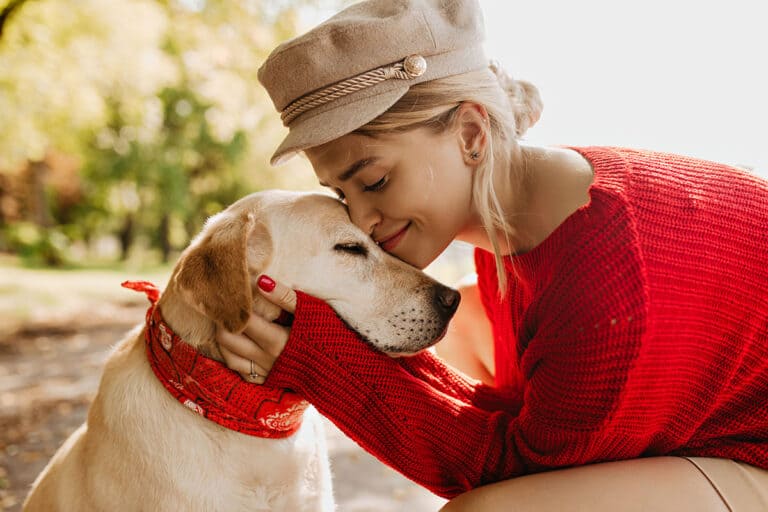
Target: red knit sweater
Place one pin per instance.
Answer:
(638, 327)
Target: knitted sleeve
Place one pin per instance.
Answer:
(432, 370)
(394, 408)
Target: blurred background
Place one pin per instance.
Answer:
(124, 124)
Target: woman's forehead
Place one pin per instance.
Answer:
(354, 146)
(341, 149)
(330, 159)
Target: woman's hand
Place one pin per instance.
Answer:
(253, 352)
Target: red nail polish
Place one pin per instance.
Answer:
(266, 283)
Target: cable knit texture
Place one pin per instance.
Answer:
(638, 327)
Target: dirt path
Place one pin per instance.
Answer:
(49, 372)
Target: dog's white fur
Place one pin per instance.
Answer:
(140, 449)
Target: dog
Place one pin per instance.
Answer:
(141, 448)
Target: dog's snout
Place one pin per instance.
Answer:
(447, 300)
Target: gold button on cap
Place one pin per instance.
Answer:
(415, 65)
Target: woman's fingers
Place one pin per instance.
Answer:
(261, 343)
(239, 351)
(254, 374)
(253, 352)
(268, 336)
(246, 348)
(277, 293)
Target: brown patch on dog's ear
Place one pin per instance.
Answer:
(214, 275)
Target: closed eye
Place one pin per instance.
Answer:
(378, 185)
(352, 248)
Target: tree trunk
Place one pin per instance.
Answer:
(165, 242)
(126, 235)
(38, 209)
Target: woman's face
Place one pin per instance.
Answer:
(411, 191)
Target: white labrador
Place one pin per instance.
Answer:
(141, 449)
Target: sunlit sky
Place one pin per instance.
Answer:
(676, 75)
(681, 76)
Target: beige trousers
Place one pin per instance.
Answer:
(655, 484)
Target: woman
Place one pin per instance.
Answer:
(625, 290)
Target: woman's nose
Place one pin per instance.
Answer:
(366, 217)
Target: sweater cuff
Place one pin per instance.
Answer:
(389, 410)
(316, 328)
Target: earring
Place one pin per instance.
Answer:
(474, 155)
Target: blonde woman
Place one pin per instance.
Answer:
(619, 329)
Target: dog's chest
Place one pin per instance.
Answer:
(253, 473)
(192, 463)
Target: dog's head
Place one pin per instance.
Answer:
(307, 242)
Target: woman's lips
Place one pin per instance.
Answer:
(390, 243)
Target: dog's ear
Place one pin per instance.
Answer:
(214, 276)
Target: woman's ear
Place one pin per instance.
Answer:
(472, 130)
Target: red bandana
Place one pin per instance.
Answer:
(211, 389)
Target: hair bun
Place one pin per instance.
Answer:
(523, 96)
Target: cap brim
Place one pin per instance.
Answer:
(320, 126)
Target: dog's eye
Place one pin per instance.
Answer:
(352, 248)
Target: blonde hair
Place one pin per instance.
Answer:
(513, 106)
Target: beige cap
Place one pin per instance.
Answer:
(354, 66)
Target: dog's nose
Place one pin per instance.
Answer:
(447, 299)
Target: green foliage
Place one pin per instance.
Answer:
(159, 103)
(183, 175)
(36, 245)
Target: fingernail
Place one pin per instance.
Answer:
(266, 283)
